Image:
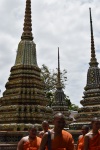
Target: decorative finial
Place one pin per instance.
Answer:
(27, 29)
(59, 83)
(93, 61)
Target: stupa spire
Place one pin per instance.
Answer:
(27, 29)
(59, 104)
(59, 83)
(26, 53)
(93, 61)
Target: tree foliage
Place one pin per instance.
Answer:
(70, 105)
(50, 95)
(49, 78)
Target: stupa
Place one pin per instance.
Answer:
(91, 98)
(59, 104)
(24, 102)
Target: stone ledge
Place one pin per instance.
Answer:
(8, 146)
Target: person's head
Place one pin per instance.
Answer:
(85, 129)
(32, 131)
(59, 121)
(95, 123)
(45, 125)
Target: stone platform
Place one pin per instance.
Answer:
(13, 137)
(10, 139)
(13, 146)
(8, 146)
(75, 134)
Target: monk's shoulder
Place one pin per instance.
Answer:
(45, 136)
(80, 136)
(66, 134)
(38, 138)
(88, 136)
(24, 139)
(41, 132)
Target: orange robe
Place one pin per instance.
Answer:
(94, 143)
(64, 141)
(81, 143)
(33, 144)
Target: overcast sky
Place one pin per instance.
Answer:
(55, 23)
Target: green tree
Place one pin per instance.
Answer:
(70, 105)
(74, 107)
(49, 78)
(50, 95)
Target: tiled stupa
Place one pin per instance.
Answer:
(59, 104)
(91, 98)
(24, 102)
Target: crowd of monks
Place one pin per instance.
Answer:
(58, 139)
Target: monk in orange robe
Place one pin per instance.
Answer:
(80, 143)
(30, 142)
(45, 126)
(60, 139)
(92, 139)
(94, 143)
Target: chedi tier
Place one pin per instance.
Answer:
(24, 102)
(59, 104)
(91, 98)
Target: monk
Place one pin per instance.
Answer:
(30, 142)
(60, 139)
(45, 127)
(80, 143)
(92, 139)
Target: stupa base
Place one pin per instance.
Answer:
(8, 146)
(11, 137)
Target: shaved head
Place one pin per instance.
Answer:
(46, 122)
(86, 127)
(32, 126)
(59, 115)
(45, 125)
(94, 119)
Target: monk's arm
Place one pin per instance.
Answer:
(43, 142)
(20, 144)
(71, 144)
(78, 141)
(77, 144)
(86, 142)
